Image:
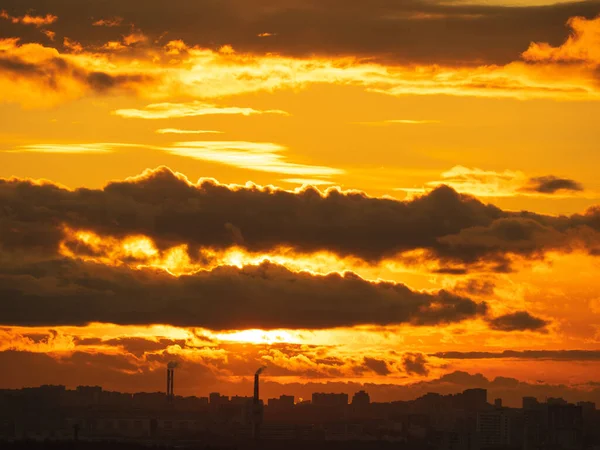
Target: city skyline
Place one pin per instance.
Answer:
(467, 419)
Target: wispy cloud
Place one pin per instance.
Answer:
(111, 22)
(37, 21)
(259, 156)
(191, 109)
(398, 122)
(178, 131)
(86, 148)
(568, 355)
(507, 183)
(69, 148)
(307, 181)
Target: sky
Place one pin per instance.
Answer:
(394, 195)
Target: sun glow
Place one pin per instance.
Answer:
(141, 252)
(260, 337)
(134, 251)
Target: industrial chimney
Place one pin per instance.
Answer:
(257, 407)
(171, 380)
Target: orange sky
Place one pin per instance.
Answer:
(274, 189)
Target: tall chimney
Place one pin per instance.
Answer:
(257, 407)
(171, 380)
(256, 393)
(169, 374)
(172, 384)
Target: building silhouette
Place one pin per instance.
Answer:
(462, 421)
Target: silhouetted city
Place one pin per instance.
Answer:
(56, 417)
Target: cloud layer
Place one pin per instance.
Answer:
(161, 69)
(443, 226)
(63, 292)
(490, 33)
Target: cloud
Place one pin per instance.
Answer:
(378, 366)
(551, 185)
(259, 156)
(35, 75)
(99, 148)
(72, 46)
(475, 287)
(397, 33)
(583, 44)
(223, 353)
(518, 321)
(553, 355)
(179, 131)
(112, 372)
(307, 181)
(110, 22)
(482, 183)
(415, 363)
(173, 69)
(192, 109)
(399, 122)
(36, 21)
(126, 373)
(49, 34)
(268, 296)
(134, 38)
(508, 183)
(456, 230)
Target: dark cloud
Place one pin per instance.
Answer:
(112, 372)
(475, 287)
(379, 366)
(69, 292)
(518, 321)
(56, 73)
(461, 378)
(330, 361)
(551, 185)
(554, 355)
(415, 363)
(414, 30)
(455, 229)
(140, 346)
(101, 82)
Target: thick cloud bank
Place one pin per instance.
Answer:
(449, 227)
(69, 292)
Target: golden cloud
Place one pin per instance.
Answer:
(191, 109)
(179, 131)
(37, 21)
(110, 22)
(259, 156)
(582, 46)
(507, 183)
(38, 76)
(176, 68)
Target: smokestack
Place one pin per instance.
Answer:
(256, 382)
(172, 384)
(256, 394)
(171, 380)
(257, 409)
(168, 382)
